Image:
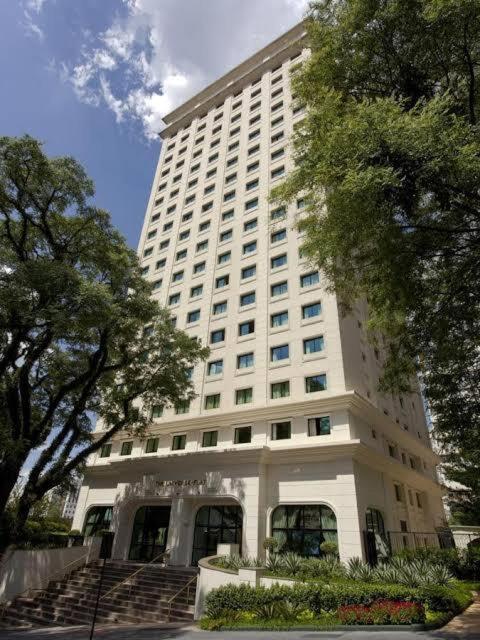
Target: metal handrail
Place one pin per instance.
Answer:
(185, 586)
(164, 553)
(62, 570)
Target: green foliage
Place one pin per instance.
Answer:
(73, 312)
(329, 548)
(388, 161)
(464, 564)
(411, 572)
(270, 544)
(316, 597)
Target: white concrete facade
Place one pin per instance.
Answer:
(228, 265)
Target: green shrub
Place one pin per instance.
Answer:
(328, 568)
(329, 548)
(464, 564)
(439, 598)
(271, 544)
(316, 597)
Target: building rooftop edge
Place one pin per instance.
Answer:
(227, 80)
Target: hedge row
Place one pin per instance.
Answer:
(319, 598)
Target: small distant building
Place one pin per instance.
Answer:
(70, 503)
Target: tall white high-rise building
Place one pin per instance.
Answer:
(288, 435)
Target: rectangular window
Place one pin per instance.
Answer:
(282, 352)
(210, 173)
(212, 158)
(227, 215)
(233, 161)
(233, 146)
(174, 299)
(276, 122)
(167, 227)
(157, 284)
(245, 360)
(106, 450)
(277, 236)
(152, 445)
(222, 281)
(277, 136)
(194, 167)
(254, 134)
(249, 272)
(220, 307)
(207, 206)
(215, 368)
(212, 401)
(177, 277)
(253, 184)
(309, 279)
(182, 407)
(227, 197)
(209, 189)
(419, 500)
(279, 289)
(253, 166)
(278, 214)
(157, 411)
(398, 493)
(214, 143)
(316, 383)
(247, 298)
(281, 430)
(148, 252)
(280, 390)
(255, 105)
(275, 155)
(230, 178)
(193, 316)
(234, 132)
(245, 328)
(226, 235)
(126, 449)
(250, 247)
(279, 319)
(223, 258)
(196, 291)
(199, 267)
(276, 173)
(204, 226)
(145, 270)
(179, 442)
(311, 310)
(202, 246)
(319, 426)
(243, 435)
(151, 234)
(187, 216)
(251, 204)
(253, 150)
(217, 336)
(313, 345)
(181, 255)
(244, 396)
(278, 261)
(209, 438)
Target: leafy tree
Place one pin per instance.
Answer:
(79, 333)
(388, 160)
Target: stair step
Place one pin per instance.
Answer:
(144, 598)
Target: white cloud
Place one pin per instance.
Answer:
(158, 54)
(31, 11)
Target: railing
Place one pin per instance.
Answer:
(420, 540)
(185, 586)
(135, 573)
(62, 571)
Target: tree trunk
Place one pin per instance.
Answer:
(9, 474)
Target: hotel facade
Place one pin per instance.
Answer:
(288, 435)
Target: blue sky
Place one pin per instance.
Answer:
(92, 78)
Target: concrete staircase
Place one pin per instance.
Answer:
(143, 599)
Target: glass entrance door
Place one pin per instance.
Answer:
(150, 532)
(214, 524)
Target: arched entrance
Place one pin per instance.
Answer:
(303, 527)
(149, 533)
(376, 542)
(214, 524)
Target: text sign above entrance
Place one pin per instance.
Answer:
(181, 483)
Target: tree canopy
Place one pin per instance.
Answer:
(80, 335)
(388, 161)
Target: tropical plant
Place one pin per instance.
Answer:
(359, 570)
(275, 563)
(292, 563)
(271, 544)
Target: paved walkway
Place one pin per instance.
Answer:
(465, 626)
